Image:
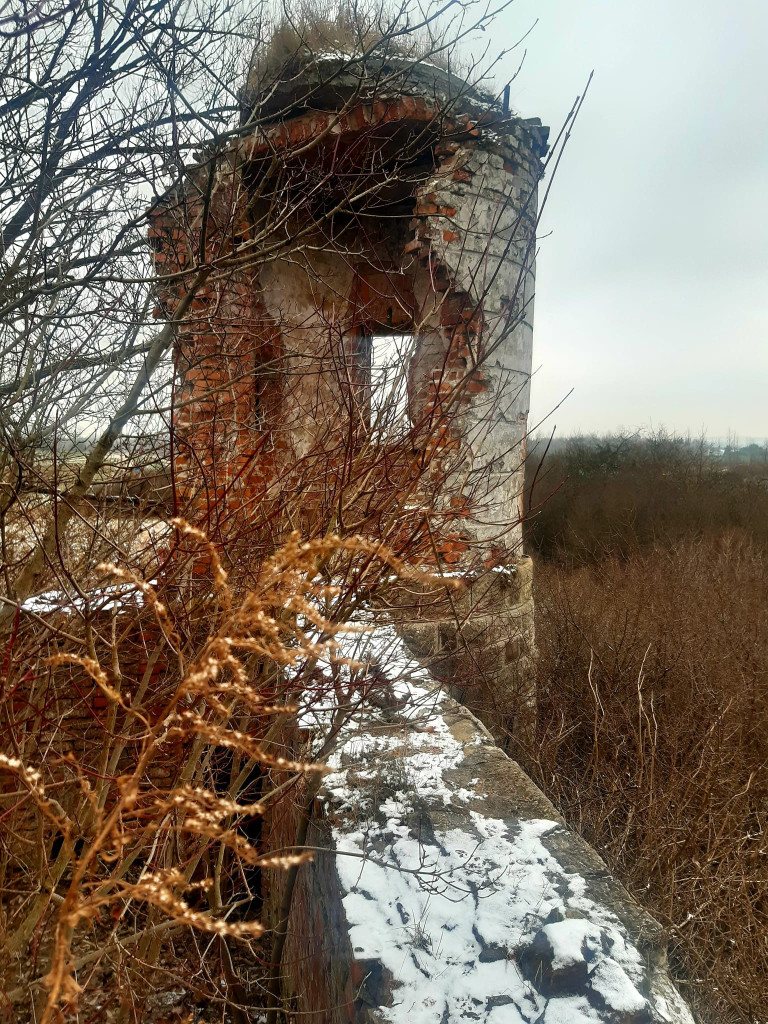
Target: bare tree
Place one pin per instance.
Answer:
(102, 106)
(141, 184)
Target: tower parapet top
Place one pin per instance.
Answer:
(331, 81)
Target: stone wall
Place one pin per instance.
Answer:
(271, 360)
(270, 356)
(445, 887)
(449, 889)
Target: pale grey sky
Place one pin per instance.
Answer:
(652, 290)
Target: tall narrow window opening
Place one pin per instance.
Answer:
(390, 357)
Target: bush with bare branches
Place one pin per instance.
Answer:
(151, 668)
(653, 697)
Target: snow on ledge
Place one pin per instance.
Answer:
(472, 902)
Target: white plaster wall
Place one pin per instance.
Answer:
(493, 261)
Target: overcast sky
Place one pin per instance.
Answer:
(652, 289)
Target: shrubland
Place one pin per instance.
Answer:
(652, 719)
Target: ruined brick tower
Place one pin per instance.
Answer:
(366, 202)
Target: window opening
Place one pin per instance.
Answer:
(390, 357)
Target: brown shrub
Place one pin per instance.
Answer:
(616, 495)
(652, 739)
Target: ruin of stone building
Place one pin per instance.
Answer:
(368, 206)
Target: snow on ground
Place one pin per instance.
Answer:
(472, 915)
(101, 599)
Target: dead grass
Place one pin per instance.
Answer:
(299, 32)
(652, 733)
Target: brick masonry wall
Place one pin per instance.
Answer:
(478, 209)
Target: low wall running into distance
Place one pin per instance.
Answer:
(449, 889)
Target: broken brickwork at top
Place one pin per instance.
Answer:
(405, 206)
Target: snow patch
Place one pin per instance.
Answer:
(452, 900)
(102, 599)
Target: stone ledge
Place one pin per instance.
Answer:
(452, 890)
